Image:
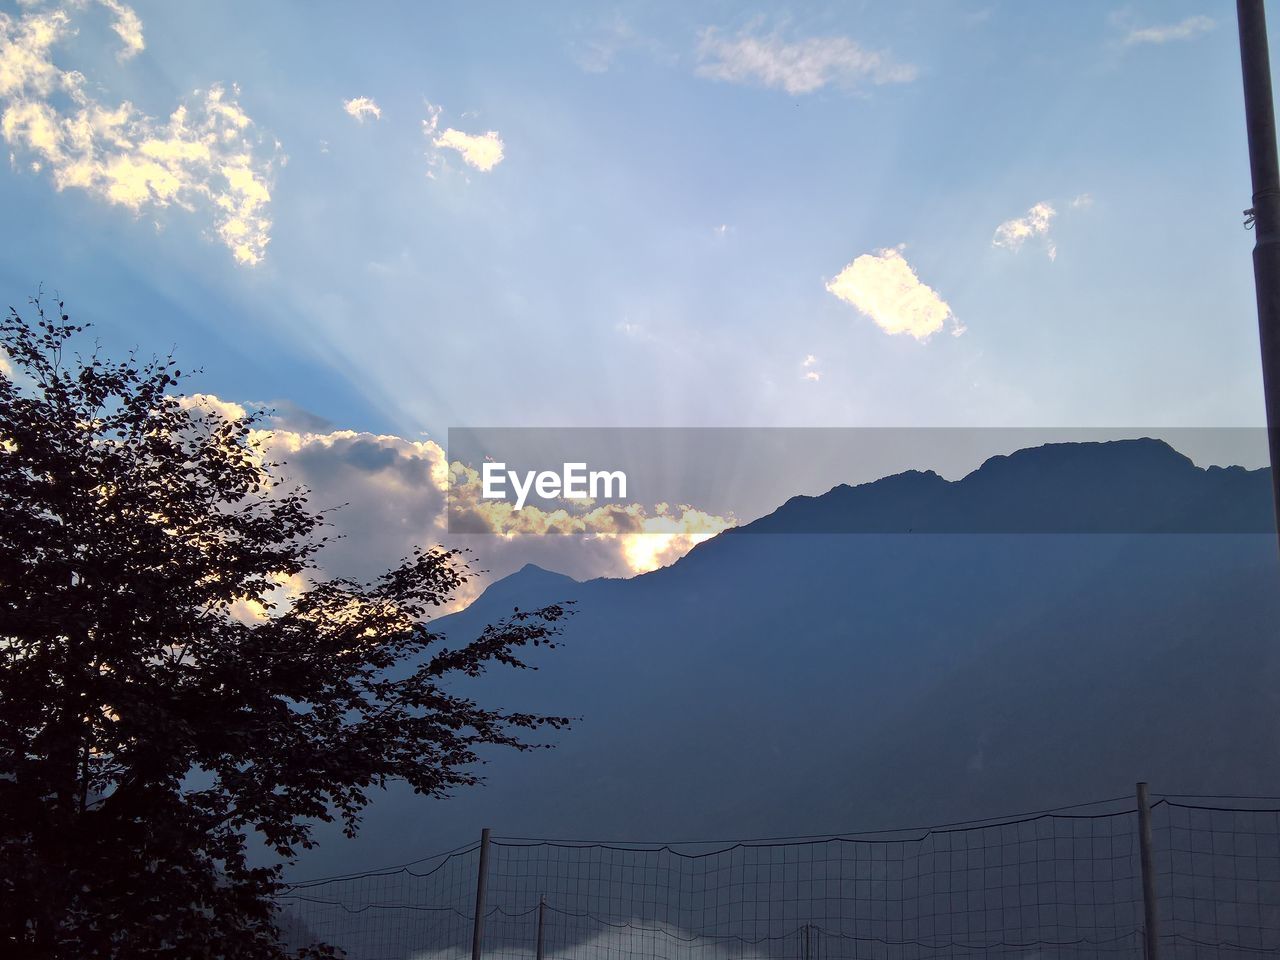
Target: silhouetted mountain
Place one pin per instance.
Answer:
(1125, 486)
(811, 680)
(529, 586)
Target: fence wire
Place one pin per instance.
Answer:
(1056, 885)
(1218, 880)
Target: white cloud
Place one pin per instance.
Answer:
(1186, 29)
(203, 157)
(884, 287)
(1036, 224)
(25, 42)
(801, 66)
(808, 372)
(432, 123)
(1012, 234)
(361, 108)
(208, 403)
(127, 27)
(632, 329)
(597, 48)
(812, 375)
(482, 151)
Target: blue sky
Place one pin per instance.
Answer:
(679, 186)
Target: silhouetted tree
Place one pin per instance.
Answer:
(161, 698)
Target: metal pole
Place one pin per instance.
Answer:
(1151, 932)
(1260, 122)
(482, 880)
(542, 913)
(804, 942)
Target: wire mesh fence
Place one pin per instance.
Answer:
(1057, 884)
(1218, 878)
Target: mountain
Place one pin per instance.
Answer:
(1051, 628)
(1126, 486)
(530, 586)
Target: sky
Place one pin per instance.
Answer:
(386, 221)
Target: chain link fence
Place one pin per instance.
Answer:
(1065, 883)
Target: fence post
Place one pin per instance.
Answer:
(1151, 932)
(482, 880)
(542, 913)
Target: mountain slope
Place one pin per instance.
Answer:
(802, 682)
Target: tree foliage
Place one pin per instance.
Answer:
(162, 698)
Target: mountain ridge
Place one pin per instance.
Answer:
(1075, 501)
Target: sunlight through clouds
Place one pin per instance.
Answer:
(884, 287)
(645, 539)
(393, 494)
(204, 156)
